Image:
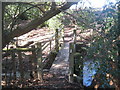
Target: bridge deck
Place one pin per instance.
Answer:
(61, 63)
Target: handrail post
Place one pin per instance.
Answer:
(39, 62)
(74, 33)
(34, 62)
(14, 63)
(56, 41)
(63, 38)
(50, 45)
(63, 35)
(71, 62)
(21, 66)
(6, 71)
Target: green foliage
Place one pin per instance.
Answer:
(103, 48)
(15, 13)
(55, 22)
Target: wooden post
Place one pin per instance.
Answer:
(16, 42)
(74, 48)
(56, 41)
(39, 62)
(63, 38)
(21, 66)
(1, 9)
(34, 63)
(6, 60)
(6, 71)
(71, 62)
(50, 45)
(14, 63)
(63, 35)
(74, 33)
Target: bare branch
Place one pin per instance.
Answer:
(20, 30)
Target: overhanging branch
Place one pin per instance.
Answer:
(33, 24)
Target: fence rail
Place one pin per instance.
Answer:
(16, 65)
(72, 53)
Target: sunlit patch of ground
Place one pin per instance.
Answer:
(57, 77)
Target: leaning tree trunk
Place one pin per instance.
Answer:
(20, 30)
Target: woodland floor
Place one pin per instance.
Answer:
(57, 77)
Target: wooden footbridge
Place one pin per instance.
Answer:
(24, 66)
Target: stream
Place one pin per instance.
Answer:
(89, 71)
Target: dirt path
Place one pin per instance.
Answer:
(57, 77)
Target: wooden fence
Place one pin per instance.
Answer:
(72, 56)
(18, 66)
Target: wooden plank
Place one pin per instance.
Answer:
(45, 46)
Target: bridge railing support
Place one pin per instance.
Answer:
(35, 61)
(56, 41)
(71, 62)
(21, 65)
(39, 62)
(74, 37)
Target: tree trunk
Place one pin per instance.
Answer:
(0, 45)
(20, 30)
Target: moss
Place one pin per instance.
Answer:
(19, 49)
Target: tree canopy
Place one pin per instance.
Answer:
(103, 46)
(21, 17)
